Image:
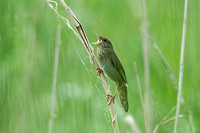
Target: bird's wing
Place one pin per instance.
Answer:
(116, 62)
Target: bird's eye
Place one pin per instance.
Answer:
(105, 40)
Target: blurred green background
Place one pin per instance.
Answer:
(27, 51)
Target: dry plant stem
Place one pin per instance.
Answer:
(63, 18)
(164, 118)
(146, 68)
(53, 96)
(140, 91)
(94, 61)
(174, 81)
(181, 67)
(165, 122)
(166, 64)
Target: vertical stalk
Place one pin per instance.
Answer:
(140, 92)
(53, 96)
(146, 68)
(181, 67)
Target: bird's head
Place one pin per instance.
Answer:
(103, 42)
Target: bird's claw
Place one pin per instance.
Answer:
(112, 99)
(99, 71)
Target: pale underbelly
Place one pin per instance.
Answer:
(111, 71)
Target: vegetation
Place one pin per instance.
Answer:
(27, 51)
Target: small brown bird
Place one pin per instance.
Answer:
(112, 66)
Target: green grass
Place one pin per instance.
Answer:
(27, 47)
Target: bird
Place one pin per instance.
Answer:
(111, 65)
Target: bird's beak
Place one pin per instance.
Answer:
(99, 40)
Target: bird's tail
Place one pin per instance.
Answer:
(122, 92)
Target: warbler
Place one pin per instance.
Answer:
(111, 65)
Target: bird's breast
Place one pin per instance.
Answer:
(105, 61)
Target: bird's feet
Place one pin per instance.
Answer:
(111, 98)
(99, 71)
